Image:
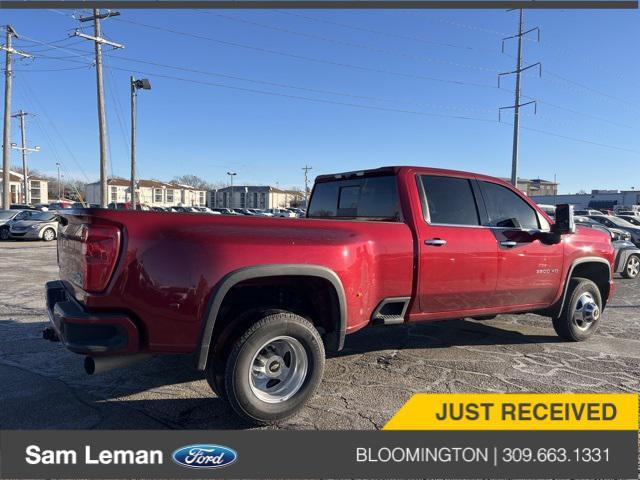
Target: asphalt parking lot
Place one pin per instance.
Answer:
(44, 386)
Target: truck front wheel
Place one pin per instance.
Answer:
(274, 367)
(580, 316)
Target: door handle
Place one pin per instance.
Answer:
(508, 243)
(435, 242)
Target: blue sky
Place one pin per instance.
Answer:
(337, 90)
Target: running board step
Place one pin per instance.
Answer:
(390, 311)
(388, 320)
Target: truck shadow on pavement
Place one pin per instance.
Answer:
(442, 334)
(47, 386)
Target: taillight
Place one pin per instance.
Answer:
(100, 247)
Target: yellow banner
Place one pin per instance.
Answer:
(506, 411)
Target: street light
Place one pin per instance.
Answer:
(231, 175)
(142, 84)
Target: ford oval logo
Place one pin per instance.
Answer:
(205, 456)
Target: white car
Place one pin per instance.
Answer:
(261, 213)
(207, 210)
(281, 212)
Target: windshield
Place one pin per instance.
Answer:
(620, 222)
(6, 214)
(368, 197)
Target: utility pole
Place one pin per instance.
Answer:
(135, 85)
(58, 165)
(306, 169)
(102, 121)
(6, 134)
(25, 150)
(231, 175)
(516, 106)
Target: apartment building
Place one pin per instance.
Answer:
(38, 189)
(153, 193)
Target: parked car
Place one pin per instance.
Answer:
(6, 216)
(627, 208)
(627, 257)
(203, 209)
(615, 233)
(225, 211)
(61, 205)
(260, 213)
(587, 212)
(611, 221)
(628, 213)
(281, 212)
(244, 211)
(21, 206)
(632, 219)
(32, 225)
(550, 210)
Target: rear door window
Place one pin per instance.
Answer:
(506, 209)
(368, 197)
(450, 200)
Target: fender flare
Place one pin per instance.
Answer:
(223, 287)
(575, 263)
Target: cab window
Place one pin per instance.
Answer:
(449, 200)
(505, 209)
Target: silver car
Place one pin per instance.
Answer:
(34, 225)
(6, 216)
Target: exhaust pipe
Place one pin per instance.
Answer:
(94, 365)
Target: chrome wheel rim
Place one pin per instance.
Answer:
(586, 312)
(278, 369)
(48, 235)
(633, 266)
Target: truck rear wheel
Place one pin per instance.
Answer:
(274, 368)
(580, 316)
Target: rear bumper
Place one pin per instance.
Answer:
(87, 333)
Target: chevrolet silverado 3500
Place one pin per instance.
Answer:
(259, 300)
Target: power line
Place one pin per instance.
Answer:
(296, 87)
(32, 94)
(351, 44)
(406, 37)
(552, 73)
(382, 33)
(368, 107)
(324, 91)
(306, 58)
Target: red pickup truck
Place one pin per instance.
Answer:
(259, 300)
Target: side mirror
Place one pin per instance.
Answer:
(564, 223)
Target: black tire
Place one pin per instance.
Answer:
(631, 267)
(52, 237)
(273, 327)
(581, 292)
(223, 343)
(4, 233)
